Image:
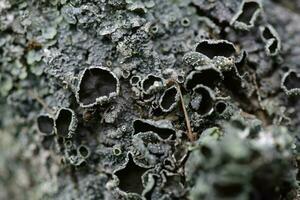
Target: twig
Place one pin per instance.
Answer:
(189, 132)
(257, 91)
(41, 101)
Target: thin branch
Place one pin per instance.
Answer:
(41, 101)
(189, 132)
(257, 91)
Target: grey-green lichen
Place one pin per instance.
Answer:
(231, 164)
(149, 99)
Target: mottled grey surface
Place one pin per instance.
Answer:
(149, 99)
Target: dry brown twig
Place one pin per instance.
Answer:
(189, 132)
(33, 95)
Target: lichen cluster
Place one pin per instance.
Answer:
(149, 99)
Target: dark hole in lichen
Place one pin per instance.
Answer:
(233, 82)
(148, 97)
(180, 78)
(125, 73)
(169, 98)
(167, 163)
(185, 22)
(228, 189)
(205, 100)
(267, 34)
(73, 152)
(285, 68)
(273, 47)
(130, 177)
(149, 81)
(68, 143)
(45, 124)
(63, 122)
(240, 64)
(141, 127)
(83, 151)
(154, 29)
(292, 81)
(117, 151)
(83, 164)
(248, 10)
(96, 82)
(215, 49)
(208, 77)
(206, 151)
(220, 107)
(134, 80)
(60, 141)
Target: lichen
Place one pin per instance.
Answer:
(149, 99)
(97, 86)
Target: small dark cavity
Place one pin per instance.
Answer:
(63, 122)
(167, 163)
(248, 10)
(292, 81)
(206, 151)
(134, 80)
(206, 100)
(233, 81)
(209, 77)
(130, 177)
(185, 22)
(220, 107)
(154, 29)
(180, 79)
(267, 34)
(45, 124)
(142, 126)
(228, 189)
(211, 49)
(273, 47)
(68, 143)
(83, 151)
(149, 81)
(95, 83)
(125, 74)
(60, 141)
(285, 68)
(169, 98)
(241, 63)
(148, 97)
(117, 151)
(73, 152)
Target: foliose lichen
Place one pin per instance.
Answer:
(149, 99)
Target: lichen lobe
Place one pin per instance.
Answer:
(98, 84)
